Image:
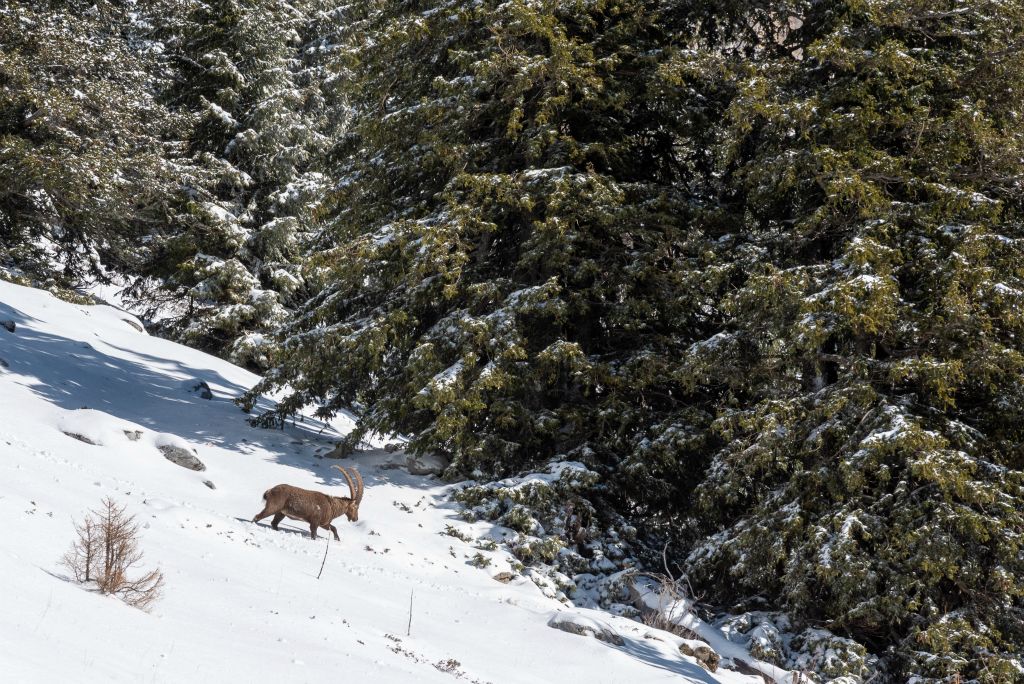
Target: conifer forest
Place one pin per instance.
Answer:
(757, 265)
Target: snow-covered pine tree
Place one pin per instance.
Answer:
(249, 80)
(81, 175)
(872, 478)
(514, 270)
(520, 253)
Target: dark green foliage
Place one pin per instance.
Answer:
(758, 264)
(80, 162)
(255, 115)
(871, 476)
(514, 270)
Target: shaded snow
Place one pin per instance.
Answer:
(679, 611)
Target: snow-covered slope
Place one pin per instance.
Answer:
(243, 602)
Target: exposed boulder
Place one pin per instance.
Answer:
(575, 623)
(199, 387)
(428, 464)
(181, 457)
(80, 438)
(8, 324)
(340, 450)
(702, 653)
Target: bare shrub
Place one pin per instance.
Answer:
(81, 559)
(106, 549)
(672, 605)
(675, 599)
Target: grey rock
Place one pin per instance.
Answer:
(80, 438)
(8, 324)
(339, 451)
(574, 624)
(209, 484)
(415, 465)
(181, 457)
(392, 447)
(702, 653)
(133, 435)
(134, 324)
(201, 388)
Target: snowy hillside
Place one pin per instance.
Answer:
(242, 602)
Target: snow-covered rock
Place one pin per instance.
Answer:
(199, 388)
(701, 652)
(427, 464)
(575, 623)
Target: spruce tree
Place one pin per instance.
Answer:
(81, 172)
(247, 83)
(512, 270)
(755, 263)
(870, 476)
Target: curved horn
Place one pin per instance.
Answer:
(359, 481)
(351, 488)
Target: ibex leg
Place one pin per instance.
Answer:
(262, 514)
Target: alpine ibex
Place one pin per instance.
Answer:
(313, 507)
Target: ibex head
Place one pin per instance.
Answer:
(355, 492)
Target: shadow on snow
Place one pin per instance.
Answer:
(152, 391)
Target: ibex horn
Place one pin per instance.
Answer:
(348, 478)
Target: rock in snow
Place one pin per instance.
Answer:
(80, 438)
(199, 387)
(181, 457)
(585, 626)
(428, 464)
(701, 652)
